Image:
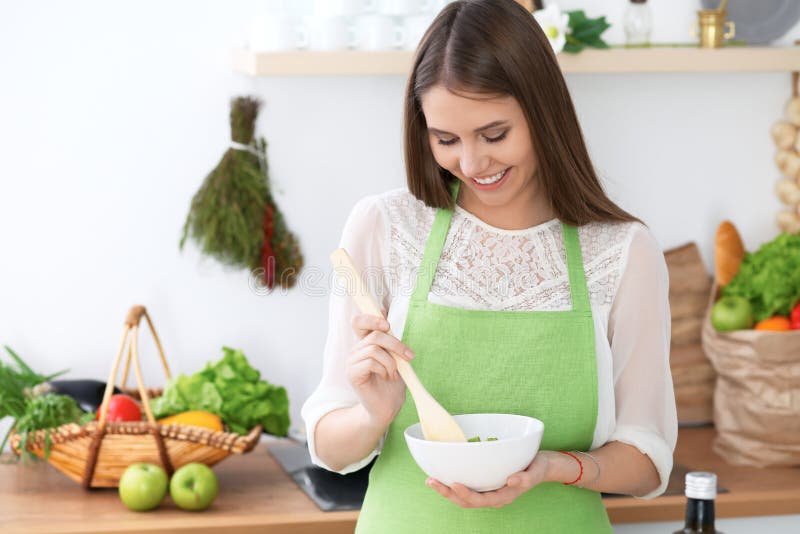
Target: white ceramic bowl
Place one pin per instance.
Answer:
(484, 465)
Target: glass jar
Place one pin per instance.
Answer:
(638, 23)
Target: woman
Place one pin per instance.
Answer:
(504, 223)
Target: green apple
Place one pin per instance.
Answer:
(142, 486)
(193, 487)
(732, 313)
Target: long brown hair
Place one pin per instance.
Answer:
(495, 47)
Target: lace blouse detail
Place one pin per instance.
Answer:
(483, 267)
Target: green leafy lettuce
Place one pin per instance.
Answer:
(232, 389)
(770, 277)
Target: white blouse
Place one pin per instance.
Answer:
(484, 267)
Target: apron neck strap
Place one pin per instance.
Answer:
(438, 235)
(577, 277)
(433, 248)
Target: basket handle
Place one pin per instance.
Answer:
(134, 318)
(130, 337)
(135, 315)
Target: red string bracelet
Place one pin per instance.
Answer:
(580, 464)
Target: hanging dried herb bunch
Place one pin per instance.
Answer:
(234, 217)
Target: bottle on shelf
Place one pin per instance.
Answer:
(701, 490)
(638, 23)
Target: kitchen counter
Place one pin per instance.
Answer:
(257, 496)
(749, 491)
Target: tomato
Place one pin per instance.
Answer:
(121, 408)
(775, 324)
(794, 317)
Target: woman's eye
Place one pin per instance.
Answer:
(497, 138)
(452, 141)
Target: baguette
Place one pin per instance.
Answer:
(728, 253)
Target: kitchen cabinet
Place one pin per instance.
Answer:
(257, 496)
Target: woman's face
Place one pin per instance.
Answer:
(485, 143)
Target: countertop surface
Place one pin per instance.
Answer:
(256, 495)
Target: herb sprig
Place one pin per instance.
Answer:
(30, 405)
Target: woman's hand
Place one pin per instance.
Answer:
(373, 372)
(517, 484)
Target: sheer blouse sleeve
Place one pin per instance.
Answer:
(365, 237)
(639, 335)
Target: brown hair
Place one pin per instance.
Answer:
(495, 47)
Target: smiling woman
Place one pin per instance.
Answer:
(495, 161)
(454, 78)
(530, 292)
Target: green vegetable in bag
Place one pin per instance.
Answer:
(232, 389)
(770, 277)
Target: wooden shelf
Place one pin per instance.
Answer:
(615, 60)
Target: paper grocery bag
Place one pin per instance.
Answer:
(757, 394)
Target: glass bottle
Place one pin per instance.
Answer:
(638, 23)
(701, 490)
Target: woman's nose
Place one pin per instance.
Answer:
(473, 161)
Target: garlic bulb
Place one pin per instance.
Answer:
(780, 157)
(784, 135)
(788, 162)
(788, 192)
(789, 221)
(793, 111)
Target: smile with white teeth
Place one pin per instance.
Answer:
(492, 179)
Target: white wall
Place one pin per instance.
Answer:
(111, 114)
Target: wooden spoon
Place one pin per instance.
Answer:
(436, 423)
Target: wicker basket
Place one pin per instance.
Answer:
(97, 453)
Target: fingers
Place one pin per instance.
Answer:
(377, 345)
(472, 499)
(388, 343)
(516, 485)
(372, 330)
(364, 369)
(446, 492)
(521, 481)
(466, 498)
(364, 323)
(372, 359)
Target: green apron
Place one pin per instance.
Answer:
(541, 364)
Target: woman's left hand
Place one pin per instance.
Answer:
(516, 485)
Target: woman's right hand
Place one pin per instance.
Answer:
(372, 371)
